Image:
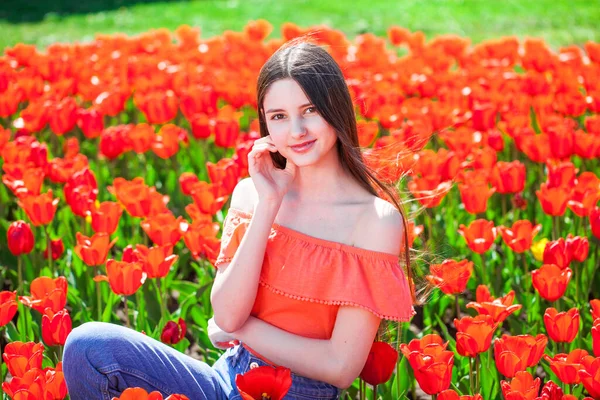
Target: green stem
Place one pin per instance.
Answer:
(49, 250)
(98, 295)
(477, 374)
(1, 358)
(159, 292)
(555, 228)
(126, 311)
(398, 361)
(456, 307)
(20, 272)
(375, 392)
(471, 383)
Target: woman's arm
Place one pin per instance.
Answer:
(337, 361)
(236, 283)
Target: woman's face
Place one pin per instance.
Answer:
(291, 120)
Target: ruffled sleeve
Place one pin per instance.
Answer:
(234, 228)
(326, 273)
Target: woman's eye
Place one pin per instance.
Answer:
(275, 116)
(311, 108)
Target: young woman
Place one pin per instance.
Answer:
(310, 259)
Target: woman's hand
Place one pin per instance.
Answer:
(271, 183)
(220, 339)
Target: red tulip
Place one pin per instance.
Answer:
(21, 357)
(431, 341)
(186, 181)
(451, 276)
(474, 335)
(208, 197)
(551, 391)
(91, 122)
(553, 200)
(137, 393)
(578, 247)
(433, 368)
(380, 364)
(225, 173)
(508, 177)
(517, 353)
(499, 309)
(264, 382)
(57, 247)
(567, 366)
(56, 327)
(520, 236)
(522, 387)
(562, 327)
(556, 252)
(590, 376)
(226, 132)
(20, 238)
(595, 222)
(480, 235)
(173, 332)
(8, 306)
(596, 337)
(134, 195)
(475, 196)
(595, 304)
(550, 281)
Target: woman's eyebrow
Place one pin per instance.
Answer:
(272, 110)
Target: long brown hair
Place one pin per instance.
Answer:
(322, 80)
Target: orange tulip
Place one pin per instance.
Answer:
(47, 293)
(429, 193)
(197, 99)
(550, 281)
(499, 309)
(134, 195)
(521, 387)
(264, 382)
(208, 197)
(367, 132)
(63, 115)
(200, 238)
(586, 193)
(520, 236)
(166, 142)
(452, 395)
(8, 306)
(163, 229)
(157, 260)
(428, 344)
(561, 174)
(589, 376)
(21, 357)
(93, 250)
(136, 393)
(380, 364)
(475, 196)
(553, 200)
(508, 177)
(159, 107)
(474, 335)
(40, 209)
(562, 327)
(480, 235)
(433, 368)
(141, 137)
(56, 327)
(567, 366)
(124, 278)
(517, 353)
(451, 276)
(106, 216)
(201, 125)
(23, 180)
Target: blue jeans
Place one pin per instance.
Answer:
(101, 360)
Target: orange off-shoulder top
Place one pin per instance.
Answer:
(305, 279)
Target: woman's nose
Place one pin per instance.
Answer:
(298, 129)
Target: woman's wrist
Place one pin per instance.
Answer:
(240, 334)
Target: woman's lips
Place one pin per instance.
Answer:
(304, 147)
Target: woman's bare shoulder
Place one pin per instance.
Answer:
(382, 227)
(244, 196)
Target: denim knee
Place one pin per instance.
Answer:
(84, 341)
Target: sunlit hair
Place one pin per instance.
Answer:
(322, 80)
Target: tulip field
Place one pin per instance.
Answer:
(119, 156)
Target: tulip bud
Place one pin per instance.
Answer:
(173, 332)
(20, 238)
